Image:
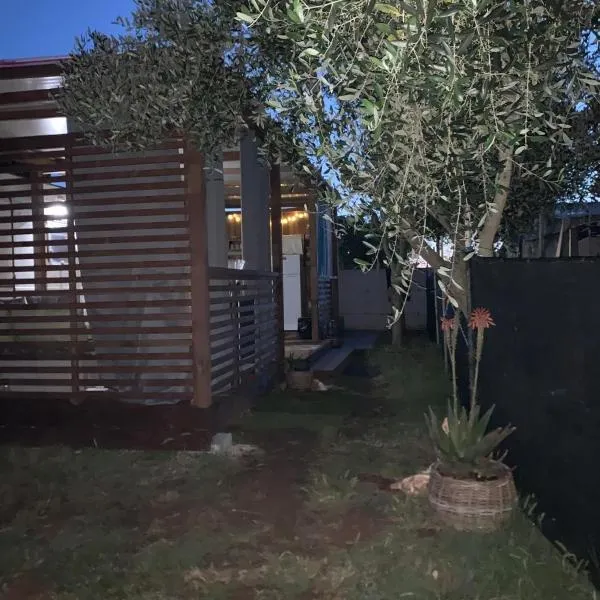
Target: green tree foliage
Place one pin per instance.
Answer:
(434, 116)
(177, 67)
(441, 107)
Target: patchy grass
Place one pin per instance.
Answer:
(298, 523)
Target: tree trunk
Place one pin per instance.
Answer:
(399, 331)
(452, 275)
(398, 299)
(488, 232)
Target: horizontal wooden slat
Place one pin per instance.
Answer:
(155, 371)
(146, 356)
(243, 291)
(131, 215)
(100, 253)
(131, 173)
(122, 161)
(46, 68)
(85, 347)
(97, 204)
(81, 318)
(157, 238)
(104, 330)
(27, 96)
(143, 342)
(228, 358)
(164, 279)
(245, 301)
(101, 189)
(26, 163)
(62, 178)
(26, 193)
(82, 149)
(225, 335)
(117, 303)
(29, 113)
(104, 228)
(239, 274)
(183, 396)
(35, 270)
(215, 372)
(109, 289)
(39, 142)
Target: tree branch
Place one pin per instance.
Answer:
(488, 232)
(420, 246)
(454, 274)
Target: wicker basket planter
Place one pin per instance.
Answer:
(300, 381)
(473, 505)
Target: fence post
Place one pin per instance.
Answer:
(199, 275)
(74, 312)
(314, 273)
(235, 310)
(277, 262)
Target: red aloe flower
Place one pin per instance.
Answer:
(481, 318)
(447, 324)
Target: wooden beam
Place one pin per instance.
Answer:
(29, 113)
(314, 274)
(277, 261)
(39, 233)
(200, 301)
(335, 281)
(24, 70)
(28, 96)
(73, 294)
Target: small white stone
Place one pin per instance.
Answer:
(319, 386)
(221, 443)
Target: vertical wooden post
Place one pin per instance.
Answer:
(314, 273)
(38, 224)
(235, 311)
(335, 281)
(72, 267)
(200, 300)
(277, 262)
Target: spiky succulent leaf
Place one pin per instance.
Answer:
(489, 443)
(466, 441)
(480, 426)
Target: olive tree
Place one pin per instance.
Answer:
(440, 107)
(430, 117)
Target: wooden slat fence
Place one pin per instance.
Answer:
(243, 327)
(95, 278)
(324, 296)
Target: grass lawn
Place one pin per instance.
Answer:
(300, 522)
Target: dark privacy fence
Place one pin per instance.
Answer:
(541, 368)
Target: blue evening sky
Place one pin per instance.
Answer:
(38, 28)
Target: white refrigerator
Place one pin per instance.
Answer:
(292, 291)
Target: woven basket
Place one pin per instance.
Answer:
(300, 380)
(470, 505)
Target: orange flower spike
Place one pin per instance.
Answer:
(447, 324)
(481, 318)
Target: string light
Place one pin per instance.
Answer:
(293, 217)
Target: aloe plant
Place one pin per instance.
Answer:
(463, 444)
